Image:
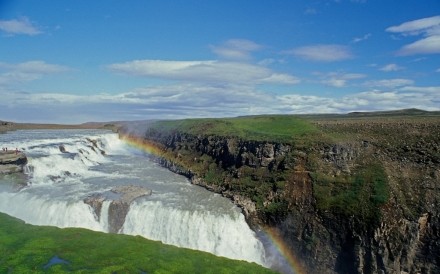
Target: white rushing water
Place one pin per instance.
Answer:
(66, 166)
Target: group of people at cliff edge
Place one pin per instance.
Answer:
(5, 149)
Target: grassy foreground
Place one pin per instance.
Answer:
(26, 248)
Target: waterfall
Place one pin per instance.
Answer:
(66, 167)
(103, 219)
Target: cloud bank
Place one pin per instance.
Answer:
(177, 101)
(206, 88)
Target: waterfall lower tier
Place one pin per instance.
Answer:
(224, 235)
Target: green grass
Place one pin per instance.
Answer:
(28, 249)
(361, 194)
(281, 128)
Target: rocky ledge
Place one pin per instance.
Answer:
(11, 162)
(120, 198)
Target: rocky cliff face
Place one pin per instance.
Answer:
(364, 205)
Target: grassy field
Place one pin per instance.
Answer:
(280, 128)
(26, 248)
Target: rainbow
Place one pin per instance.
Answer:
(142, 144)
(271, 234)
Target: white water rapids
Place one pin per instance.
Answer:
(178, 213)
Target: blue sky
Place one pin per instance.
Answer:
(79, 61)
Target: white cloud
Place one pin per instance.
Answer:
(322, 53)
(363, 38)
(236, 49)
(428, 45)
(336, 79)
(39, 67)
(11, 74)
(423, 90)
(280, 78)
(438, 70)
(389, 83)
(19, 26)
(428, 27)
(209, 71)
(391, 67)
(335, 82)
(416, 27)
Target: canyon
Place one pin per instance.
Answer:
(357, 193)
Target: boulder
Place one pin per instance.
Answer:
(12, 162)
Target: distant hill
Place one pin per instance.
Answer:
(401, 112)
(6, 126)
(411, 112)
